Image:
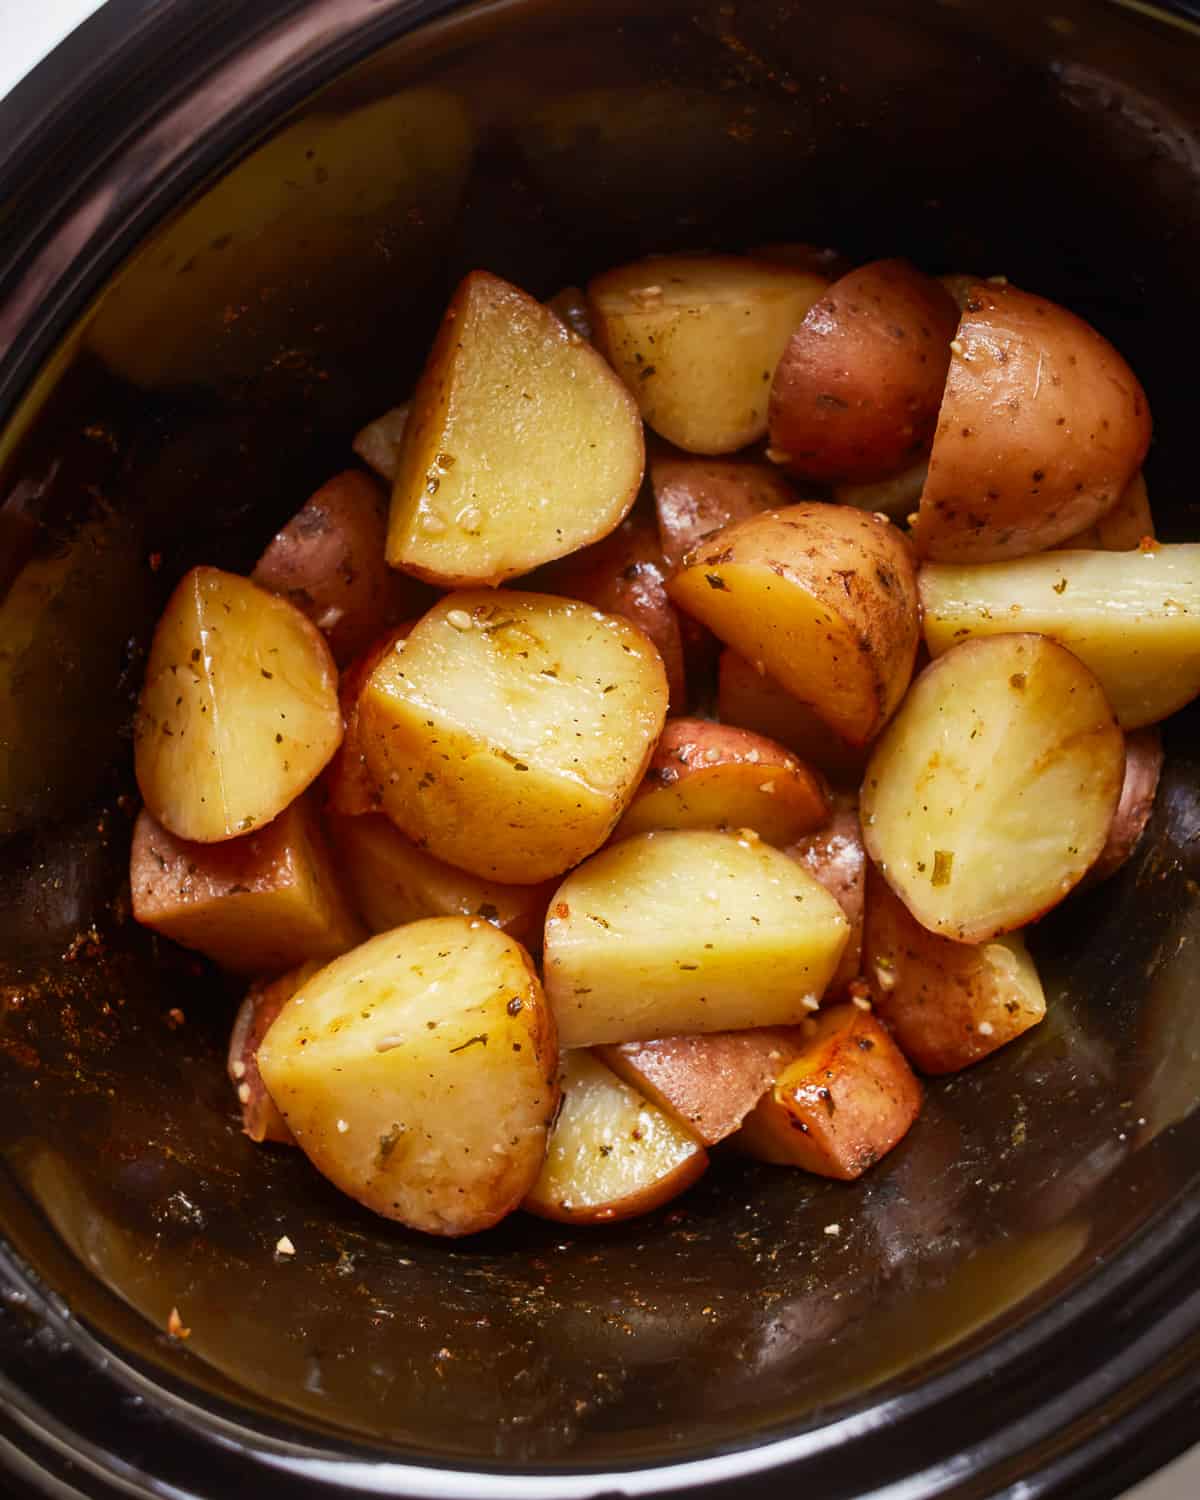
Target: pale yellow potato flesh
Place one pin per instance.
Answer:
(521, 444)
(697, 337)
(992, 790)
(612, 1154)
(1132, 617)
(418, 1073)
(261, 1121)
(239, 708)
(510, 731)
(667, 934)
(378, 444)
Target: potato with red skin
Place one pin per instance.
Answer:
(754, 700)
(706, 775)
(350, 789)
(261, 1120)
(694, 497)
(841, 1105)
(1143, 766)
(948, 1004)
(835, 856)
(856, 394)
(1042, 428)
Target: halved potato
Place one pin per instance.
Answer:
(672, 933)
(993, 789)
(257, 905)
(706, 775)
(841, 1105)
(570, 306)
(612, 1154)
(708, 1084)
(261, 1121)
(1132, 617)
(752, 700)
(825, 597)
(521, 445)
(394, 882)
(856, 394)
(896, 497)
(239, 709)
(418, 1073)
(1042, 427)
(539, 713)
(694, 497)
(835, 856)
(1122, 529)
(1143, 766)
(696, 338)
(379, 442)
(350, 788)
(948, 1004)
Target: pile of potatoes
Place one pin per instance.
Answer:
(580, 810)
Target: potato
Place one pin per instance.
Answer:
(948, 1004)
(896, 497)
(993, 789)
(350, 789)
(752, 700)
(855, 397)
(708, 1084)
(1042, 427)
(257, 905)
(706, 775)
(418, 1074)
(825, 597)
(261, 1121)
(1132, 617)
(841, 1105)
(1122, 529)
(394, 882)
(694, 497)
(510, 733)
(696, 338)
(835, 856)
(625, 575)
(521, 445)
(667, 934)
(239, 708)
(1143, 766)
(379, 442)
(570, 307)
(612, 1154)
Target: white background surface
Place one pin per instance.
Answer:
(28, 30)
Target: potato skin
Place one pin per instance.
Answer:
(1143, 766)
(350, 789)
(1042, 427)
(856, 395)
(835, 856)
(261, 1120)
(694, 497)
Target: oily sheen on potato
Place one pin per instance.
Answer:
(418, 1073)
(510, 730)
(993, 789)
(672, 933)
(521, 444)
(239, 710)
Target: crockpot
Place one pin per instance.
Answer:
(227, 233)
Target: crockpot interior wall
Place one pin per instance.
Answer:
(219, 379)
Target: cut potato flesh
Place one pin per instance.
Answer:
(521, 444)
(350, 788)
(667, 934)
(540, 710)
(418, 1074)
(1132, 617)
(239, 710)
(697, 338)
(261, 1121)
(694, 497)
(380, 441)
(1122, 529)
(993, 789)
(948, 1004)
(612, 1154)
(835, 856)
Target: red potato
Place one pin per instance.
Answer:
(835, 856)
(706, 775)
(896, 497)
(379, 442)
(1143, 766)
(261, 1120)
(855, 396)
(753, 700)
(350, 789)
(948, 1004)
(697, 496)
(709, 1084)
(1122, 529)
(841, 1105)
(1042, 428)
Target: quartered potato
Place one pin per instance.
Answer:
(672, 933)
(239, 709)
(1143, 766)
(612, 1154)
(1132, 617)
(750, 698)
(694, 497)
(835, 856)
(1042, 427)
(841, 1105)
(261, 1121)
(994, 788)
(378, 444)
(948, 1004)
(521, 444)
(350, 788)
(1122, 529)
(896, 497)
(706, 775)
(257, 905)
(510, 732)
(418, 1073)
(825, 597)
(696, 338)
